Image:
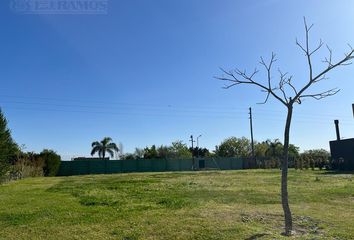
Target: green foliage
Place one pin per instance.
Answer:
(150, 153)
(27, 165)
(260, 149)
(179, 149)
(8, 148)
(316, 158)
(200, 152)
(271, 153)
(275, 148)
(163, 151)
(51, 162)
(268, 153)
(4, 166)
(32, 164)
(128, 156)
(176, 150)
(138, 153)
(234, 147)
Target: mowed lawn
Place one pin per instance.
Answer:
(182, 205)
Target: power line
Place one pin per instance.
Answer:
(176, 114)
(191, 108)
(142, 111)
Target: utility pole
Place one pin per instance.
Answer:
(193, 141)
(251, 126)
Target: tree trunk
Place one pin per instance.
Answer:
(284, 176)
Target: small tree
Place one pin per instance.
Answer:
(234, 147)
(180, 150)
(281, 92)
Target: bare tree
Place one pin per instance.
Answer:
(288, 94)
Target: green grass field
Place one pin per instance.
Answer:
(184, 205)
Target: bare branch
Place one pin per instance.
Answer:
(291, 85)
(321, 78)
(282, 82)
(329, 59)
(266, 99)
(302, 48)
(345, 61)
(319, 96)
(237, 77)
(322, 75)
(317, 48)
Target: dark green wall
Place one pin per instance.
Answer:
(81, 167)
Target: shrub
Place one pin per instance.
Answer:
(51, 162)
(317, 158)
(27, 165)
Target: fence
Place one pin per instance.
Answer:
(81, 167)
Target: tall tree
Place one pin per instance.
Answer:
(103, 147)
(8, 147)
(288, 95)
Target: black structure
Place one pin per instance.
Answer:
(342, 151)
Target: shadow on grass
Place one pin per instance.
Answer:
(256, 236)
(334, 172)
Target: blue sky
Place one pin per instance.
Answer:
(143, 73)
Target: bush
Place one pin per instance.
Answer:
(27, 165)
(51, 162)
(317, 158)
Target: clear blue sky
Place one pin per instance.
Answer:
(143, 73)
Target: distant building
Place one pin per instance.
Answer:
(86, 158)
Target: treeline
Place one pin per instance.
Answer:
(177, 149)
(268, 154)
(16, 164)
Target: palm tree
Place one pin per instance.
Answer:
(103, 147)
(273, 147)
